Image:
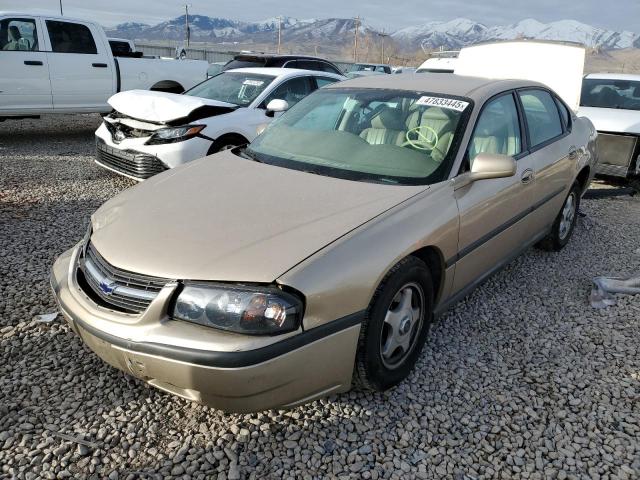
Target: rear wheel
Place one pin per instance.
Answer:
(634, 183)
(396, 326)
(564, 224)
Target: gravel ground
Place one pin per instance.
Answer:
(523, 379)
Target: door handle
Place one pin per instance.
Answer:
(527, 176)
(33, 62)
(99, 65)
(573, 153)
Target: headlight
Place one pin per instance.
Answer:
(172, 135)
(248, 310)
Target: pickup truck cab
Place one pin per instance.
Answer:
(59, 65)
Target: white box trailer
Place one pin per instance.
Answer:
(558, 65)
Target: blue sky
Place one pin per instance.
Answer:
(615, 14)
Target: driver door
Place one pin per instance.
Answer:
(494, 214)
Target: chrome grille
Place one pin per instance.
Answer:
(136, 164)
(115, 288)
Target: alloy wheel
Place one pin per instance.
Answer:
(568, 216)
(402, 325)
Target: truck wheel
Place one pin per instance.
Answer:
(564, 224)
(395, 327)
(167, 86)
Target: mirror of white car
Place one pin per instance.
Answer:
(277, 106)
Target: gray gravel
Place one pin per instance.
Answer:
(523, 379)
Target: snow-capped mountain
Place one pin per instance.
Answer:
(453, 34)
(462, 32)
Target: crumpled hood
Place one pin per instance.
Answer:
(226, 218)
(612, 120)
(161, 107)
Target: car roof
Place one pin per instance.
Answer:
(275, 56)
(613, 76)
(281, 72)
(476, 88)
(45, 15)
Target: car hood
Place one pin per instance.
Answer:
(226, 218)
(612, 120)
(161, 107)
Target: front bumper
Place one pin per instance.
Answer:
(133, 159)
(236, 373)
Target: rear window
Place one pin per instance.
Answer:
(259, 63)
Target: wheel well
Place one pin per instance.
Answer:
(238, 138)
(169, 86)
(583, 178)
(434, 260)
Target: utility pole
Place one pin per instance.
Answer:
(279, 33)
(186, 22)
(355, 44)
(61, 14)
(383, 36)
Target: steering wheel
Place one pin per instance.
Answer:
(423, 142)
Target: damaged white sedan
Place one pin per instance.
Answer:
(149, 132)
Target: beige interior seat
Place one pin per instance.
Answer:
(491, 136)
(436, 119)
(387, 128)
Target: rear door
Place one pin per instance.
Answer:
(24, 71)
(553, 154)
(494, 214)
(81, 66)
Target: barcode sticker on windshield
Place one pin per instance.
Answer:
(253, 83)
(449, 103)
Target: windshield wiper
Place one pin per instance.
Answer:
(249, 156)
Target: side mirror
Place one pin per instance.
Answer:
(276, 106)
(487, 166)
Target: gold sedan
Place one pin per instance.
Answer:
(316, 257)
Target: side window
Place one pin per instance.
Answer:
(309, 65)
(329, 68)
(324, 81)
(542, 116)
(18, 34)
(69, 37)
(292, 91)
(564, 114)
(497, 130)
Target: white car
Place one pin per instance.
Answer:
(612, 102)
(149, 132)
(438, 65)
(59, 65)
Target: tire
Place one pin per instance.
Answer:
(377, 367)
(226, 142)
(564, 223)
(634, 183)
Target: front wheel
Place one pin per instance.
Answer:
(396, 326)
(564, 224)
(226, 142)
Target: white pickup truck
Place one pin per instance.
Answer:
(59, 65)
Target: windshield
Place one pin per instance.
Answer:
(237, 88)
(621, 94)
(374, 135)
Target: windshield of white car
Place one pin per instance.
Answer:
(237, 88)
(390, 136)
(619, 94)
